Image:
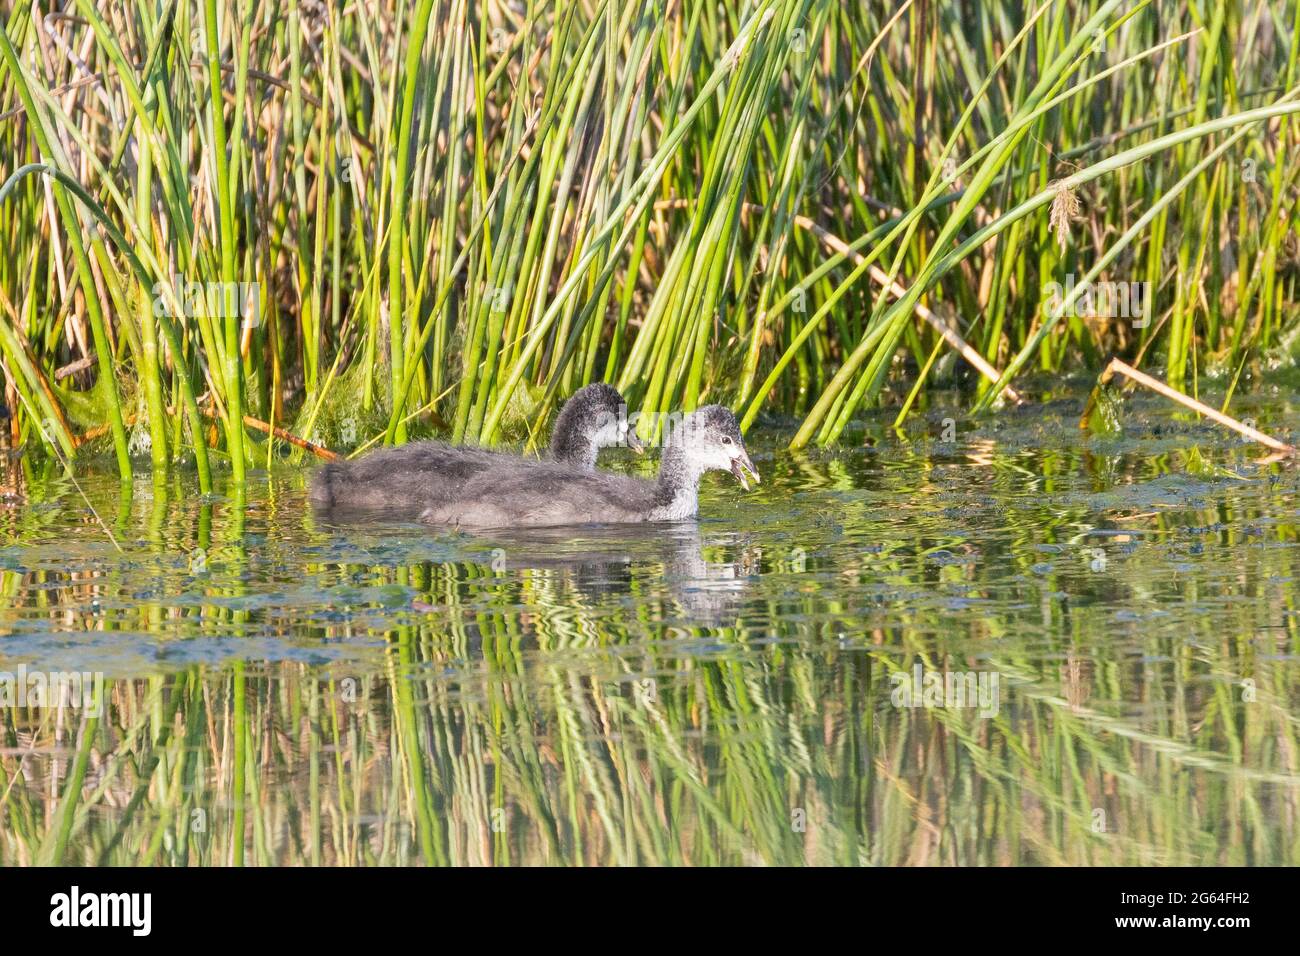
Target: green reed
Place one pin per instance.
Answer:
(465, 731)
(778, 754)
(451, 214)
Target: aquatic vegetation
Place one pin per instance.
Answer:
(364, 222)
(281, 689)
(234, 232)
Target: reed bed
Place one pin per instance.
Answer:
(355, 223)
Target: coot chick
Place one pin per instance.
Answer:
(547, 494)
(422, 474)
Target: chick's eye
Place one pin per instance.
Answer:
(726, 440)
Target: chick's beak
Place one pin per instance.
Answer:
(742, 467)
(633, 442)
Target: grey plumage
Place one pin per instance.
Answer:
(412, 476)
(547, 494)
(426, 474)
(593, 418)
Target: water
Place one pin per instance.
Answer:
(284, 689)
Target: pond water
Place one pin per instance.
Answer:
(1022, 644)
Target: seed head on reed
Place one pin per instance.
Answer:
(1065, 209)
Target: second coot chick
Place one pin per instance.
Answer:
(424, 474)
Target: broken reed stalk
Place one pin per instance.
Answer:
(1187, 401)
(940, 325)
(880, 277)
(320, 451)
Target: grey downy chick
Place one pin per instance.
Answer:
(548, 494)
(423, 474)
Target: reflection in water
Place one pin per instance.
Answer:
(284, 687)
